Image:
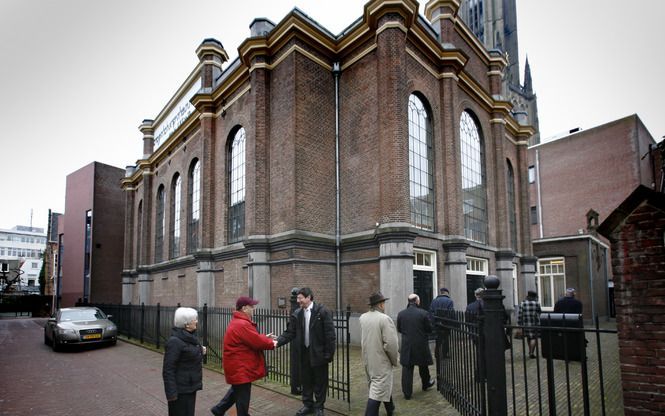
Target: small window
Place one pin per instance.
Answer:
(532, 174)
(534, 215)
(476, 266)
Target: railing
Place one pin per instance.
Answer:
(153, 323)
(574, 370)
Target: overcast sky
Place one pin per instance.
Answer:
(78, 76)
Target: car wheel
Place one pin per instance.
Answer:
(46, 339)
(56, 347)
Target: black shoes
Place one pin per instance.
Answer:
(319, 412)
(306, 411)
(215, 412)
(407, 397)
(428, 385)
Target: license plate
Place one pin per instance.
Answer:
(92, 336)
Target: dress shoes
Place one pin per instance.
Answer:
(319, 412)
(305, 411)
(428, 385)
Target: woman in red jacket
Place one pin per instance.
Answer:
(242, 358)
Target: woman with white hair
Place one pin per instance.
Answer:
(183, 361)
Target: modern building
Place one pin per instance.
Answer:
(494, 22)
(575, 182)
(90, 237)
(383, 158)
(21, 250)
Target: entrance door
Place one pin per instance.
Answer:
(422, 286)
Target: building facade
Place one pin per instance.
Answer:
(21, 250)
(384, 158)
(90, 237)
(575, 182)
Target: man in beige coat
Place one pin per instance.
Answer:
(380, 353)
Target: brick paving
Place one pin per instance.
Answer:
(126, 380)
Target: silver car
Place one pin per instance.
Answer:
(79, 325)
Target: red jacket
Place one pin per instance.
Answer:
(243, 351)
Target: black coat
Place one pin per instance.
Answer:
(322, 339)
(568, 305)
(183, 358)
(414, 325)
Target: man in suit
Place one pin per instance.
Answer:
(414, 325)
(312, 332)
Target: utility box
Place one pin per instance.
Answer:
(559, 343)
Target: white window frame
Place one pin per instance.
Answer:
(481, 266)
(539, 276)
(430, 268)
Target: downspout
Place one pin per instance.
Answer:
(593, 302)
(539, 203)
(336, 70)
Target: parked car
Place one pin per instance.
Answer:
(79, 325)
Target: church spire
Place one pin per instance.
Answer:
(528, 87)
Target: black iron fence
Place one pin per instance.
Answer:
(152, 324)
(483, 370)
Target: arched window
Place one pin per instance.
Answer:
(194, 197)
(236, 174)
(512, 215)
(139, 234)
(175, 216)
(474, 194)
(159, 225)
(421, 182)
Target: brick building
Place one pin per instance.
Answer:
(575, 182)
(636, 229)
(90, 237)
(384, 158)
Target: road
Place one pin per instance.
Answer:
(120, 380)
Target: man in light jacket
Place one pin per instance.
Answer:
(242, 358)
(380, 354)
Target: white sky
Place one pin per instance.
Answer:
(78, 76)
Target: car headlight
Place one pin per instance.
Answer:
(65, 331)
(111, 328)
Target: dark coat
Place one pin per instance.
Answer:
(322, 339)
(568, 305)
(414, 325)
(183, 358)
(475, 307)
(440, 303)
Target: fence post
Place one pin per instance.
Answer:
(493, 331)
(205, 331)
(157, 327)
(142, 322)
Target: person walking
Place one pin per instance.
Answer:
(380, 351)
(242, 358)
(568, 303)
(441, 306)
(476, 307)
(312, 330)
(182, 370)
(415, 326)
(529, 319)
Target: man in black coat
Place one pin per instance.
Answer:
(442, 306)
(568, 303)
(312, 334)
(414, 325)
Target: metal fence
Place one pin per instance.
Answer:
(152, 324)
(482, 369)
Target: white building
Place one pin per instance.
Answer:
(25, 245)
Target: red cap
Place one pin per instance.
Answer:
(245, 300)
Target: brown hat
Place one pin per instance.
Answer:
(376, 297)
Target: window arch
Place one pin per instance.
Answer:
(194, 197)
(139, 233)
(159, 225)
(236, 175)
(176, 188)
(421, 180)
(474, 193)
(512, 215)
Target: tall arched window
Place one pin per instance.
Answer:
(159, 225)
(194, 196)
(474, 194)
(512, 215)
(421, 182)
(175, 216)
(236, 174)
(139, 234)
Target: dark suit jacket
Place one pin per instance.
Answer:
(414, 325)
(321, 335)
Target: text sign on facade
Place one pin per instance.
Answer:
(180, 112)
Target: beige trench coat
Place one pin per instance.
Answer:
(380, 351)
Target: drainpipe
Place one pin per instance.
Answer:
(593, 302)
(539, 203)
(336, 70)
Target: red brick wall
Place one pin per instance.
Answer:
(638, 257)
